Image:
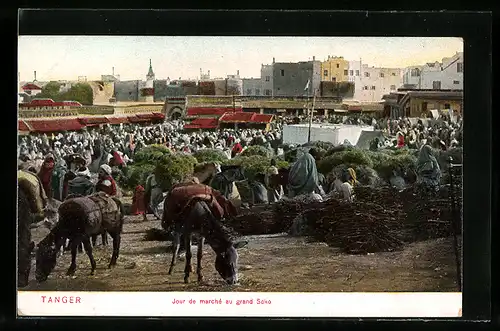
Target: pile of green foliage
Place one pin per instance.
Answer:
(210, 155)
(257, 150)
(255, 164)
(325, 145)
(174, 168)
(151, 154)
(347, 157)
(143, 166)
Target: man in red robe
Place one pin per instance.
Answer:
(138, 202)
(106, 183)
(237, 148)
(45, 174)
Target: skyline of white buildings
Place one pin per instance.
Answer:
(445, 75)
(370, 83)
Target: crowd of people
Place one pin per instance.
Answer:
(80, 163)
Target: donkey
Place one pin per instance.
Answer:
(102, 232)
(193, 214)
(25, 246)
(79, 219)
(222, 178)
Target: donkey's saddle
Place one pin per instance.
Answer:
(183, 195)
(99, 211)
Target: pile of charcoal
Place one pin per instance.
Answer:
(356, 228)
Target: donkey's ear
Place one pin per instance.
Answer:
(240, 244)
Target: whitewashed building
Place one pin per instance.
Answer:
(371, 83)
(445, 75)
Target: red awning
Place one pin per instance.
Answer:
(262, 118)
(215, 111)
(159, 116)
(245, 118)
(117, 120)
(203, 123)
(236, 117)
(135, 119)
(22, 126)
(147, 116)
(93, 120)
(55, 125)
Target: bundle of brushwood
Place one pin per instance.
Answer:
(155, 234)
(287, 210)
(428, 214)
(254, 221)
(385, 195)
(356, 228)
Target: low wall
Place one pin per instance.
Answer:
(335, 134)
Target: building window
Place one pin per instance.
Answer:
(249, 91)
(367, 74)
(268, 78)
(357, 72)
(257, 91)
(456, 82)
(351, 72)
(345, 72)
(393, 87)
(325, 73)
(338, 65)
(394, 74)
(382, 75)
(447, 106)
(373, 87)
(436, 85)
(282, 72)
(334, 79)
(365, 87)
(268, 92)
(460, 67)
(415, 72)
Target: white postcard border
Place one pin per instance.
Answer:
(263, 304)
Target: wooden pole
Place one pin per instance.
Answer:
(311, 118)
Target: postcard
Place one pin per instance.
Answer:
(244, 176)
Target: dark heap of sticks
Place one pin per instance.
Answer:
(154, 234)
(356, 228)
(428, 214)
(257, 220)
(287, 210)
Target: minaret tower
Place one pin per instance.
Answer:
(148, 90)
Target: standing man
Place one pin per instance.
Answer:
(273, 190)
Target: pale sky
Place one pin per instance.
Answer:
(67, 57)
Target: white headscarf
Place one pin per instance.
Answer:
(106, 168)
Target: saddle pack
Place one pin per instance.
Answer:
(109, 209)
(182, 196)
(99, 211)
(32, 186)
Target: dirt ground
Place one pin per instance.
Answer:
(276, 263)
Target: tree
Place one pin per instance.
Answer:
(50, 91)
(81, 92)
